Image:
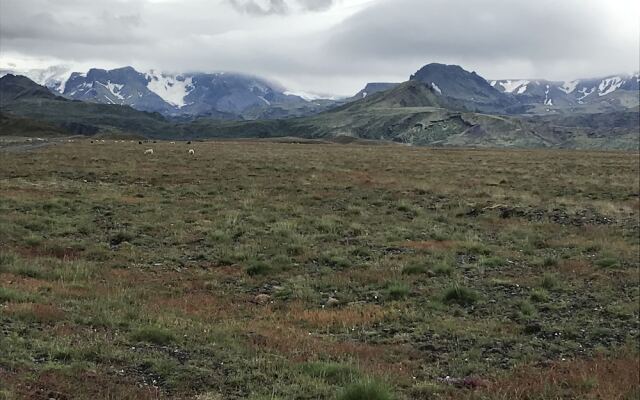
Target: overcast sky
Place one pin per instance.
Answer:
(326, 46)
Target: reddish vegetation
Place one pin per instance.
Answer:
(576, 267)
(350, 317)
(389, 361)
(599, 378)
(45, 313)
(62, 253)
(203, 305)
(25, 284)
(430, 244)
(59, 386)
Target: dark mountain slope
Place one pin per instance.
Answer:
(372, 88)
(473, 91)
(17, 126)
(15, 87)
(21, 97)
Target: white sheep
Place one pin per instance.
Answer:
(148, 151)
(192, 152)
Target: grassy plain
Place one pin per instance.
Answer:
(314, 271)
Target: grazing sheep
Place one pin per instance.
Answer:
(172, 142)
(192, 152)
(148, 151)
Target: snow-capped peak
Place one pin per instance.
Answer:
(54, 77)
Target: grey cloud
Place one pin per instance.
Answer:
(79, 21)
(546, 36)
(337, 51)
(252, 7)
(280, 7)
(316, 5)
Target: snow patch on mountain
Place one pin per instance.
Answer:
(436, 87)
(609, 85)
(311, 96)
(83, 88)
(585, 92)
(569, 86)
(511, 86)
(547, 100)
(172, 89)
(54, 77)
(114, 88)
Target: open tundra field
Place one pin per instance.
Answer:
(262, 270)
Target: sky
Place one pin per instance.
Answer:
(326, 46)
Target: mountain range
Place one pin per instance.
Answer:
(243, 97)
(602, 94)
(218, 95)
(439, 105)
(525, 96)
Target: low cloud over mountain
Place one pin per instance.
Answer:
(330, 46)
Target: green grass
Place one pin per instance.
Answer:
(539, 296)
(258, 268)
(11, 295)
(332, 373)
(153, 335)
(414, 269)
(460, 295)
(442, 269)
(398, 291)
(366, 390)
(211, 275)
(550, 281)
(607, 262)
(492, 262)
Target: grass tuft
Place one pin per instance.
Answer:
(397, 291)
(258, 268)
(460, 295)
(549, 281)
(153, 335)
(607, 262)
(414, 269)
(332, 373)
(366, 390)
